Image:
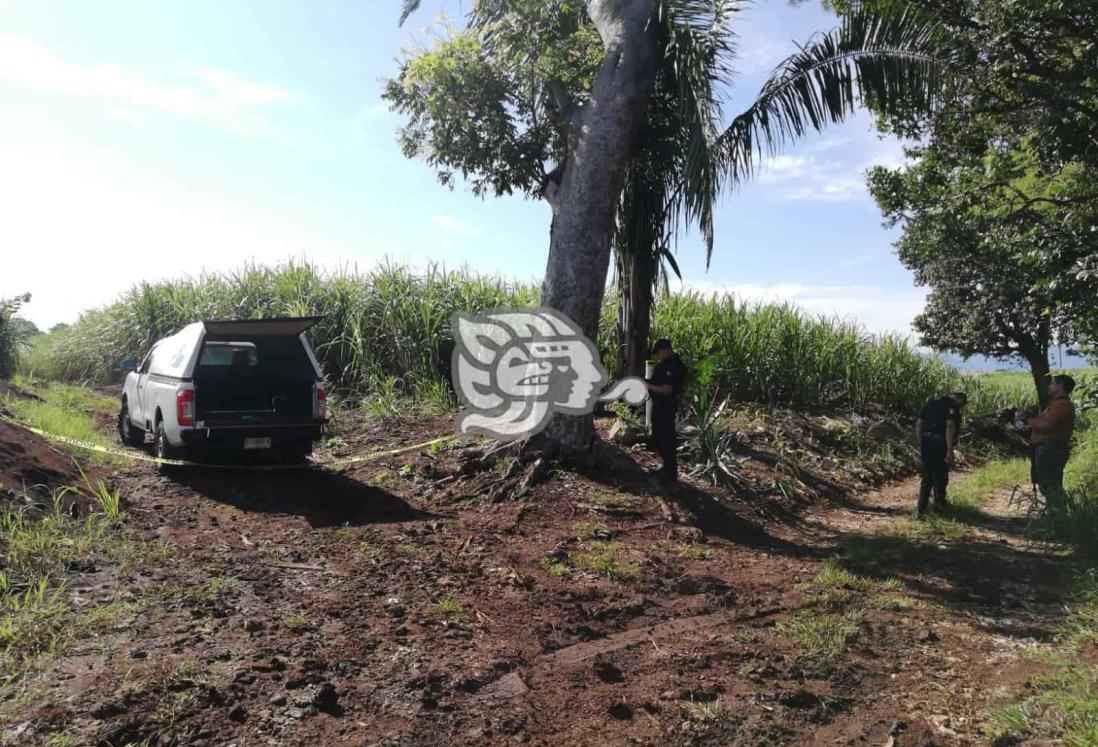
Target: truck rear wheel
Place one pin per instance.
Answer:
(128, 433)
(163, 448)
(296, 452)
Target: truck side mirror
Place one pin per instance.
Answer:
(128, 365)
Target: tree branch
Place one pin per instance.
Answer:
(562, 102)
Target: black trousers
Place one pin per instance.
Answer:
(1047, 472)
(935, 471)
(665, 442)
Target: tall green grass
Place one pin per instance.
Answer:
(12, 334)
(388, 330)
(385, 324)
(777, 354)
(64, 410)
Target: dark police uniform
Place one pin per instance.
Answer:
(935, 416)
(664, 407)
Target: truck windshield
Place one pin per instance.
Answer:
(229, 354)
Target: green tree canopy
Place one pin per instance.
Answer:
(1007, 183)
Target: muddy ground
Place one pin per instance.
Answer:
(399, 602)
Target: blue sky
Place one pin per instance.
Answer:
(141, 140)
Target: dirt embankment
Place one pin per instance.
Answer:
(29, 463)
(398, 603)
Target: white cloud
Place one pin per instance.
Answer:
(783, 168)
(456, 227)
(878, 309)
(807, 177)
(217, 96)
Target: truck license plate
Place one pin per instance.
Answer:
(257, 443)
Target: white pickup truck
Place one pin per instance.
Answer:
(247, 385)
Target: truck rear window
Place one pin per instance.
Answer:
(229, 355)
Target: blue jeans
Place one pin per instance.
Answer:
(1049, 460)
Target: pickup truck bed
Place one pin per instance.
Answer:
(251, 385)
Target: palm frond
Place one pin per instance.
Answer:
(886, 60)
(698, 59)
(409, 7)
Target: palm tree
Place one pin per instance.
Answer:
(682, 160)
(664, 62)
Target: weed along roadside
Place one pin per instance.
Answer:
(783, 594)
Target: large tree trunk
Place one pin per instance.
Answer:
(1035, 352)
(635, 312)
(602, 133)
(1038, 368)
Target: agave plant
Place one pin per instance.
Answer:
(708, 446)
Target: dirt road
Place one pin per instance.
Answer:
(394, 604)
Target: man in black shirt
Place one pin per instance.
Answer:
(664, 388)
(936, 432)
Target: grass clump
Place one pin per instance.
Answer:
(842, 597)
(591, 530)
(823, 636)
(599, 556)
(450, 608)
(298, 623)
(65, 738)
(603, 558)
(555, 567)
(39, 547)
(838, 588)
(618, 501)
(706, 711)
(938, 528)
(693, 552)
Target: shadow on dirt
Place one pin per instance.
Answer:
(323, 498)
(995, 580)
(712, 513)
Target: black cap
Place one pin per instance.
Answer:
(661, 344)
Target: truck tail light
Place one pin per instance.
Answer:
(184, 407)
(320, 403)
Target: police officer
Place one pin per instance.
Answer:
(1051, 441)
(936, 432)
(664, 388)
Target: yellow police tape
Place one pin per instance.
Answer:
(138, 457)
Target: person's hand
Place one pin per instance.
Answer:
(949, 458)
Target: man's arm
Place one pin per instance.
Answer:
(919, 430)
(664, 389)
(951, 438)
